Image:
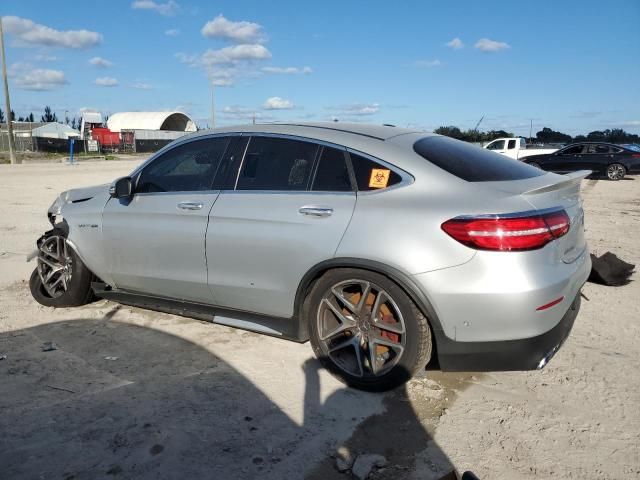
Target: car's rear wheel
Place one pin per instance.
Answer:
(535, 164)
(616, 171)
(366, 330)
(60, 279)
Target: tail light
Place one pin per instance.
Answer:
(528, 231)
(635, 155)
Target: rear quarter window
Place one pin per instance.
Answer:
(472, 163)
(371, 175)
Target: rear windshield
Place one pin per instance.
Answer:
(471, 163)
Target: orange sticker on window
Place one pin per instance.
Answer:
(379, 177)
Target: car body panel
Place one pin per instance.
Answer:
(259, 245)
(156, 247)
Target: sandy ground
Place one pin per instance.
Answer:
(136, 394)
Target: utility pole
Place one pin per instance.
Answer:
(213, 107)
(12, 145)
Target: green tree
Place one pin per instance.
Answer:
(1, 115)
(48, 116)
(546, 135)
(453, 132)
(31, 118)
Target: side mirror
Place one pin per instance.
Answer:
(122, 188)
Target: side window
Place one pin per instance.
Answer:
(332, 174)
(598, 149)
(226, 177)
(371, 175)
(523, 143)
(277, 164)
(185, 168)
(575, 150)
(497, 145)
(512, 145)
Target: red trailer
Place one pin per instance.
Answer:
(108, 140)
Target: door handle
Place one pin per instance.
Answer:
(316, 211)
(190, 205)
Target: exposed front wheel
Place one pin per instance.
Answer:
(534, 164)
(365, 330)
(60, 278)
(616, 171)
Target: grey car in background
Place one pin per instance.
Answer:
(389, 249)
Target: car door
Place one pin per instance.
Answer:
(568, 159)
(497, 146)
(292, 202)
(155, 241)
(596, 157)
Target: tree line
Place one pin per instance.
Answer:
(546, 135)
(48, 116)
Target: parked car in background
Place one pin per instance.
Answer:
(383, 246)
(603, 159)
(515, 147)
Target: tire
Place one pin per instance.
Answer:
(71, 291)
(616, 171)
(536, 165)
(396, 322)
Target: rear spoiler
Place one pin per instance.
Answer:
(568, 180)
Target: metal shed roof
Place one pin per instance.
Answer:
(176, 121)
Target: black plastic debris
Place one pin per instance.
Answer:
(609, 270)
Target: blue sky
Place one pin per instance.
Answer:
(572, 65)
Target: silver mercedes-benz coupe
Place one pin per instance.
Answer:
(389, 249)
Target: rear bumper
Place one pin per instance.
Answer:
(507, 355)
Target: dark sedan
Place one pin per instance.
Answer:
(604, 159)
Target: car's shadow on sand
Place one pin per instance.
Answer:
(115, 400)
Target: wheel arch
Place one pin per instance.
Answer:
(402, 279)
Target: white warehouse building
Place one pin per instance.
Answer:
(171, 121)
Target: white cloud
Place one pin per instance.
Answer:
(278, 103)
(37, 79)
(287, 70)
(172, 32)
(240, 32)
(42, 57)
(226, 65)
(487, 45)
(360, 109)
(100, 62)
(167, 9)
(106, 82)
(427, 63)
(455, 44)
(142, 86)
(237, 112)
(235, 53)
(29, 33)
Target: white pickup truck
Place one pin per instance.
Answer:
(515, 148)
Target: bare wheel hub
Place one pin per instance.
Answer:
(361, 328)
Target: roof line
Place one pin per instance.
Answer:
(327, 128)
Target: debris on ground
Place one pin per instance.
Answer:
(3, 357)
(111, 358)
(365, 463)
(49, 346)
(344, 459)
(609, 270)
